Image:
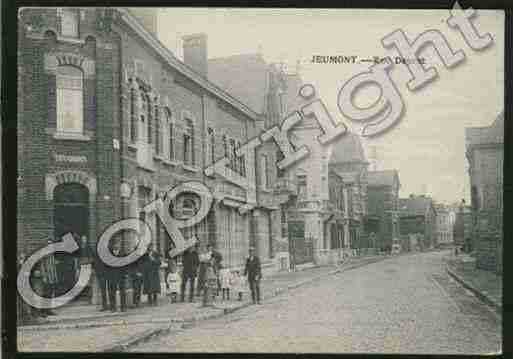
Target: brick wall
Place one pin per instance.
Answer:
(40, 46)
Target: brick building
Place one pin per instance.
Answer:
(485, 154)
(109, 120)
(382, 201)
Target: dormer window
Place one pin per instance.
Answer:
(69, 22)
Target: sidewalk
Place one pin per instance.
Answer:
(99, 331)
(486, 285)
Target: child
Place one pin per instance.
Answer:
(239, 284)
(226, 278)
(174, 282)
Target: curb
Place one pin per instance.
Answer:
(483, 297)
(163, 330)
(139, 338)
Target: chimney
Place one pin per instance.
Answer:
(195, 52)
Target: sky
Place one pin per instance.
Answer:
(428, 146)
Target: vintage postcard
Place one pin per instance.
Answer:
(260, 180)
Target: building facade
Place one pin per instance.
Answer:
(110, 120)
(417, 216)
(347, 159)
(444, 225)
(485, 154)
(262, 87)
(382, 204)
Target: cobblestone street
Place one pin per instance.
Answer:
(405, 304)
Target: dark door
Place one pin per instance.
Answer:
(71, 214)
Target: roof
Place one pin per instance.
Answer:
(414, 206)
(382, 178)
(493, 134)
(346, 149)
(243, 76)
(181, 67)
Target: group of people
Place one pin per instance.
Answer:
(202, 273)
(213, 279)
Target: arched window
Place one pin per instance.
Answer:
(170, 134)
(158, 129)
(188, 143)
(150, 121)
(242, 165)
(233, 156)
(212, 144)
(145, 119)
(225, 146)
(133, 116)
(70, 99)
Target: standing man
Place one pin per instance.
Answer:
(254, 273)
(49, 276)
(190, 267)
(116, 280)
(151, 275)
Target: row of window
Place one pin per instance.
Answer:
(147, 126)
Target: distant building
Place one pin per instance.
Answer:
(382, 201)
(444, 225)
(418, 216)
(485, 154)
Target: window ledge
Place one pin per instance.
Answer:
(71, 136)
(170, 162)
(73, 40)
(132, 146)
(158, 157)
(146, 167)
(190, 168)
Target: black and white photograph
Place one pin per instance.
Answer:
(259, 180)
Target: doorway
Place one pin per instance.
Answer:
(71, 214)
